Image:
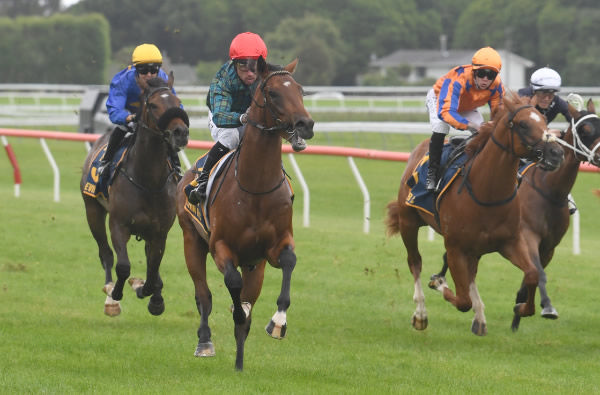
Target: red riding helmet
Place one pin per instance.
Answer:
(247, 46)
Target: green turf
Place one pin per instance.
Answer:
(348, 325)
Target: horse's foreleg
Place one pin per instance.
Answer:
(233, 282)
(519, 256)
(277, 327)
(153, 285)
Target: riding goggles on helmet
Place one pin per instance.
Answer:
(489, 74)
(146, 68)
(250, 64)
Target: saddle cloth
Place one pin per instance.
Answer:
(97, 186)
(419, 197)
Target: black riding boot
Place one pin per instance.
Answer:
(435, 154)
(111, 149)
(198, 194)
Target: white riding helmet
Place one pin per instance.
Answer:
(545, 79)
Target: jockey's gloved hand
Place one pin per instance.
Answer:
(244, 117)
(472, 127)
(132, 123)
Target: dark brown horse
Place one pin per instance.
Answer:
(142, 195)
(479, 211)
(250, 211)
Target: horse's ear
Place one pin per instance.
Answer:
(261, 66)
(590, 106)
(292, 66)
(171, 80)
(573, 111)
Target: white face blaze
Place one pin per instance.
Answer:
(164, 95)
(287, 84)
(535, 116)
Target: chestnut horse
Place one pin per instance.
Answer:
(479, 212)
(249, 211)
(543, 198)
(142, 195)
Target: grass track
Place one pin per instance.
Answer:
(348, 326)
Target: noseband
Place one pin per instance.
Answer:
(279, 124)
(578, 146)
(545, 139)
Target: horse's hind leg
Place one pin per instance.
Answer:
(277, 327)
(409, 232)
(195, 250)
(96, 218)
(548, 311)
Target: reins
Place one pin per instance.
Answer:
(161, 130)
(511, 126)
(279, 126)
(578, 146)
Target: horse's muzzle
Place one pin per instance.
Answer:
(304, 127)
(552, 156)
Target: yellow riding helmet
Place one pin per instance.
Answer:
(146, 53)
(487, 58)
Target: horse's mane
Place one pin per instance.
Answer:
(509, 102)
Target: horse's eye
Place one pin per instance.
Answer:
(524, 126)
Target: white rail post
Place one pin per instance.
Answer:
(365, 192)
(305, 191)
(54, 169)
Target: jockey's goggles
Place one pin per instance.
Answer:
(146, 68)
(246, 64)
(486, 73)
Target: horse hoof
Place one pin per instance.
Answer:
(479, 328)
(112, 309)
(419, 324)
(276, 331)
(205, 350)
(550, 313)
(136, 283)
(435, 281)
(156, 308)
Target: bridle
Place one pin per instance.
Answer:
(537, 147)
(159, 129)
(545, 139)
(279, 126)
(578, 146)
(162, 122)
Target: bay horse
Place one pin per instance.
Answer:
(249, 212)
(545, 215)
(141, 201)
(478, 213)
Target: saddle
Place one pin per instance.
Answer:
(97, 186)
(452, 162)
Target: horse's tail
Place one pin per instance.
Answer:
(392, 220)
